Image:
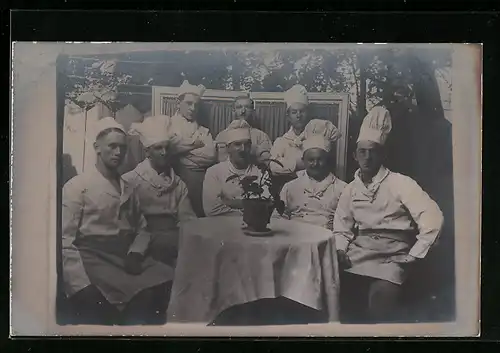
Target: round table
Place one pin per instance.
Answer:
(218, 266)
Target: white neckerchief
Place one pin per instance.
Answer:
(293, 138)
(184, 127)
(163, 183)
(240, 172)
(371, 189)
(125, 189)
(316, 189)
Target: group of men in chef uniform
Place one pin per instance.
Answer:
(120, 232)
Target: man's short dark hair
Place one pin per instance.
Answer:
(180, 98)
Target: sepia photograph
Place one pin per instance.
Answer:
(249, 186)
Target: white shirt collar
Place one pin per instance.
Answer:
(314, 187)
(235, 170)
(149, 169)
(165, 182)
(290, 134)
(378, 178)
(330, 178)
(179, 117)
(125, 189)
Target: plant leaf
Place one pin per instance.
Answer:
(251, 177)
(280, 206)
(248, 180)
(268, 181)
(254, 188)
(231, 177)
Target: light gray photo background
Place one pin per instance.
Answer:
(446, 80)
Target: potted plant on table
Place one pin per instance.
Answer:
(260, 198)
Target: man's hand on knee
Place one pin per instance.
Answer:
(402, 259)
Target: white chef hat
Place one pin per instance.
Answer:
(186, 88)
(376, 126)
(238, 130)
(319, 128)
(317, 141)
(152, 130)
(296, 94)
(104, 124)
(323, 128)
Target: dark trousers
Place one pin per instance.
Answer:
(194, 182)
(275, 311)
(148, 307)
(369, 300)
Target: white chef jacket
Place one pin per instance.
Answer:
(311, 201)
(160, 195)
(215, 186)
(187, 132)
(91, 205)
(391, 202)
(286, 151)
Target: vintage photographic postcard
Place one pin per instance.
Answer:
(246, 189)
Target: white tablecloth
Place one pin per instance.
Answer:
(219, 266)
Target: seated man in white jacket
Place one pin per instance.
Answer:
(313, 196)
(384, 222)
(225, 197)
(107, 273)
(163, 196)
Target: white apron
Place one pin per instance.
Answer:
(371, 251)
(100, 227)
(164, 202)
(393, 216)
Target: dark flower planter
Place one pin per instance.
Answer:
(257, 214)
